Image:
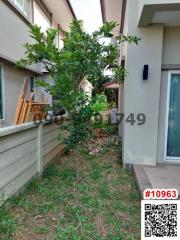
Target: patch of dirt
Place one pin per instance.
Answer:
(30, 226)
(29, 235)
(101, 225)
(96, 145)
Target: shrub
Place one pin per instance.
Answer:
(100, 103)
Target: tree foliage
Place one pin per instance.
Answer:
(83, 56)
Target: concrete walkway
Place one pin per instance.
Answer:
(160, 176)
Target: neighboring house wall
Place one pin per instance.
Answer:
(140, 142)
(40, 18)
(14, 33)
(23, 155)
(13, 82)
(87, 87)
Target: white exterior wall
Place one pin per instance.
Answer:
(19, 154)
(140, 142)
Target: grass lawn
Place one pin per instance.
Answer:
(103, 205)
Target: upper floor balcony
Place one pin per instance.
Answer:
(166, 12)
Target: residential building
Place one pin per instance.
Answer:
(152, 86)
(16, 16)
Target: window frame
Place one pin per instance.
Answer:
(21, 10)
(169, 159)
(32, 83)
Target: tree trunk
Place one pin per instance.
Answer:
(77, 169)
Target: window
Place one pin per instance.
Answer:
(1, 94)
(173, 115)
(25, 6)
(40, 18)
(32, 84)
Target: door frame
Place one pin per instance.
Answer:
(169, 158)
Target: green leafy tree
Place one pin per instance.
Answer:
(83, 56)
(100, 103)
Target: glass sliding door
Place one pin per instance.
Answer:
(173, 131)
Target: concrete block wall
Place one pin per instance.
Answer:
(24, 151)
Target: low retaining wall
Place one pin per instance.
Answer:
(24, 151)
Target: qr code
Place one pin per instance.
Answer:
(160, 219)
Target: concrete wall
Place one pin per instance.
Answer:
(50, 142)
(140, 142)
(24, 150)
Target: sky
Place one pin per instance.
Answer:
(90, 12)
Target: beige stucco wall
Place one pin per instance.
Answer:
(159, 45)
(13, 34)
(13, 81)
(140, 142)
(171, 48)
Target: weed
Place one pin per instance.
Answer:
(7, 224)
(41, 229)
